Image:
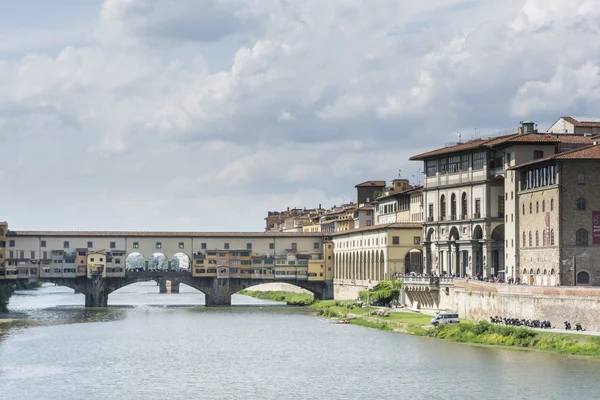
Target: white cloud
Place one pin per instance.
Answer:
(306, 100)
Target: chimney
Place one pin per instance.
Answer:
(527, 127)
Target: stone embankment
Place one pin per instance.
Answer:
(475, 300)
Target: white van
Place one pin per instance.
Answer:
(445, 318)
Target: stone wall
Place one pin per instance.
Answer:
(478, 301)
(347, 291)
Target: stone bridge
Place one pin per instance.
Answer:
(217, 291)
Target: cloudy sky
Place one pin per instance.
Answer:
(204, 114)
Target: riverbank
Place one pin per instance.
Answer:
(483, 333)
(291, 299)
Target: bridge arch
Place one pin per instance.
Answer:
(135, 262)
(181, 262)
(158, 261)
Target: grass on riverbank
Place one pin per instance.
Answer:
(338, 309)
(500, 335)
(291, 299)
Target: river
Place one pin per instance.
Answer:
(182, 351)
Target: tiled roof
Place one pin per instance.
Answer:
(506, 140)
(577, 123)
(584, 153)
(371, 183)
(393, 193)
(397, 225)
(162, 234)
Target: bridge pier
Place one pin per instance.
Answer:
(96, 294)
(325, 292)
(162, 285)
(218, 294)
(172, 287)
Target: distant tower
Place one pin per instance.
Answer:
(399, 174)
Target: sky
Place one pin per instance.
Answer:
(202, 115)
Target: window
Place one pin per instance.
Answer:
(369, 222)
(500, 206)
(551, 204)
(508, 158)
(92, 259)
(136, 245)
(43, 243)
(32, 254)
(580, 204)
(523, 209)
(11, 243)
(544, 237)
(443, 207)
(583, 278)
(537, 239)
(294, 246)
(543, 205)
(272, 246)
(416, 240)
(395, 239)
(477, 208)
(203, 246)
(464, 205)
(464, 162)
(158, 245)
(454, 164)
(552, 237)
(90, 245)
(66, 245)
(430, 212)
(538, 154)
(512, 195)
(11, 254)
(530, 241)
(478, 160)
(581, 178)
(512, 217)
(45, 255)
(226, 246)
(444, 166)
(581, 237)
(453, 206)
(21, 254)
(431, 167)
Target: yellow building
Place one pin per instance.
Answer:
(96, 264)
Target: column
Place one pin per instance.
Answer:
(426, 258)
(449, 257)
(487, 259)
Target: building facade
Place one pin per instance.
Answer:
(559, 232)
(371, 254)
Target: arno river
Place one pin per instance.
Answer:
(258, 352)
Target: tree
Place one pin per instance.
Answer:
(384, 291)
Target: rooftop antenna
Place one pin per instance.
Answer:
(459, 138)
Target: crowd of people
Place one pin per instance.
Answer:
(536, 323)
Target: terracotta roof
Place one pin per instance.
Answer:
(577, 123)
(393, 193)
(162, 234)
(506, 140)
(371, 183)
(575, 139)
(397, 225)
(584, 153)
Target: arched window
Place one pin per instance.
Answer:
(581, 237)
(537, 271)
(583, 278)
(524, 240)
(530, 241)
(537, 207)
(552, 237)
(443, 207)
(545, 272)
(537, 238)
(581, 178)
(543, 205)
(463, 202)
(552, 271)
(551, 204)
(544, 237)
(531, 271)
(530, 208)
(580, 204)
(524, 271)
(453, 206)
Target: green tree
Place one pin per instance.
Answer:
(384, 291)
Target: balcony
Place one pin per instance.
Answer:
(476, 215)
(429, 219)
(452, 217)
